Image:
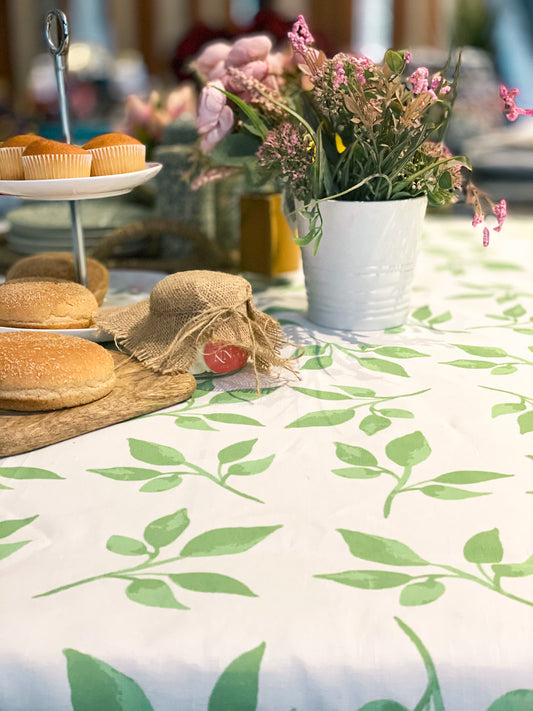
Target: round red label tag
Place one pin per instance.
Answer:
(221, 358)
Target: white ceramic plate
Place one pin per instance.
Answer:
(79, 188)
(126, 286)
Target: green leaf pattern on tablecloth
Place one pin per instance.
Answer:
(7, 529)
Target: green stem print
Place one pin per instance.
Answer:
(321, 356)
(524, 406)
(490, 352)
(232, 462)
(484, 551)
(189, 416)
(8, 528)
(423, 317)
(377, 419)
(147, 583)
(406, 452)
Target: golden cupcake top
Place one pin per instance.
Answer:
(111, 139)
(45, 146)
(20, 141)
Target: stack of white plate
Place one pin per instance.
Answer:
(46, 226)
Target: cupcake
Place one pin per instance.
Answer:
(11, 156)
(116, 153)
(44, 160)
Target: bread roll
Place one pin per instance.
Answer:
(48, 371)
(60, 265)
(46, 304)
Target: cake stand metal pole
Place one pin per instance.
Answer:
(58, 40)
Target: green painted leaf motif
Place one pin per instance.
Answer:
(516, 311)
(355, 455)
(368, 579)
(236, 451)
(399, 352)
(383, 366)
(153, 593)
(3, 486)
(237, 687)
(394, 412)
(469, 477)
(127, 473)
(380, 550)
(156, 454)
(317, 363)
(422, 313)
(519, 700)
(190, 422)
(383, 705)
(357, 473)
(409, 450)
(211, 583)
(7, 549)
(524, 331)
(356, 392)
(162, 483)
(232, 419)
(374, 423)
(242, 395)
(421, 593)
(124, 545)
(10, 526)
(323, 418)
(483, 351)
(441, 318)
(484, 547)
(314, 350)
(449, 493)
(28, 473)
(96, 685)
(525, 422)
(471, 364)
(321, 394)
(249, 468)
(226, 541)
(506, 408)
(503, 266)
(165, 530)
(513, 570)
(504, 370)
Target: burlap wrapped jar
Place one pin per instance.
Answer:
(188, 309)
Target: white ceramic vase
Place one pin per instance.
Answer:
(360, 279)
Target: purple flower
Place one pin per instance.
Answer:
(215, 118)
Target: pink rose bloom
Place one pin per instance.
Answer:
(210, 62)
(248, 49)
(215, 118)
(253, 70)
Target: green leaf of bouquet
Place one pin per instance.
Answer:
(471, 364)
(191, 422)
(445, 180)
(153, 593)
(162, 483)
(449, 493)
(484, 547)
(357, 473)
(229, 418)
(380, 550)
(165, 530)
(421, 593)
(392, 412)
(356, 456)
(356, 392)
(237, 687)
(226, 541)
(513, 570)
(241, 395)
(368, 579)
(383, 705)
(468, 476)
(504, 370)
(422, 313)
(127, 473)
(383, 366)
(409, 450)
(518, 700)
(394, 61)
(399, 352)
(6, 549)
(156, 454)
(317, 363)
(124, 545)
(374, 423)
(211, 583)
(506, 408)
(10, 526)
(250, 467)
(322, 394)
(525, 422)
(28, 473)
(323, 418)
(94, 686)
(239, 450)
(483, 351)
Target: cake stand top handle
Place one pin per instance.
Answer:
(58, 40)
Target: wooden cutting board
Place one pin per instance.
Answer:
(137, 392)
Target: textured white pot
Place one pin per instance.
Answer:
(360, 279)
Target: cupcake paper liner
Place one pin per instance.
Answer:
(11, 163)
(53, 166)
(111, 160)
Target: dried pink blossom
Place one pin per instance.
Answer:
(485, 236)
(300, 37)
(214, 119)
(510, 109)
(500, 210)
(419, 80)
